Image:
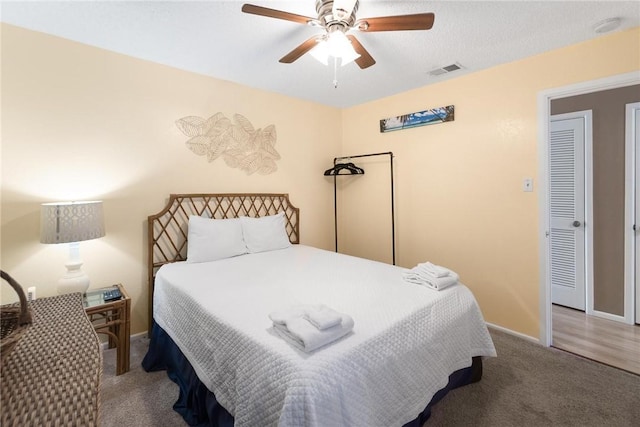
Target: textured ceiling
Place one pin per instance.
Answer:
(215, 38)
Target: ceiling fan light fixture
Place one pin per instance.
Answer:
(336, 45)
(321, 52)
(348, 56)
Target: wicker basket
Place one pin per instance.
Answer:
(14, 319)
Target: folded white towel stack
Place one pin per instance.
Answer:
(431, 275)
(281, 316)
(309, 327)
(323, 317)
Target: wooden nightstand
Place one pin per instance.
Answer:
(113, 319)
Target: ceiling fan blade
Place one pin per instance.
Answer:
(365, 60)
(303, 48)
(279, 14)
(420, 21)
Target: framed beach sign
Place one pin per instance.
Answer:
(421, 118)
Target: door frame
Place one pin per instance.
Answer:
(587, 116)
(544, 112)
(631, 292)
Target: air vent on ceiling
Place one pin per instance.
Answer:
(445, 70)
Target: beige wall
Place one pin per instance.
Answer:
(82, 123)
(459, 198)
(608, 108)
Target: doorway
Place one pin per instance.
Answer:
(606, 194)
(544, 112)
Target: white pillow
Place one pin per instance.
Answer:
(266, 233)
(213, 239)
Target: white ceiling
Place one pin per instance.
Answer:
(215, 38)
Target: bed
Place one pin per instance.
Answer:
(212, 333)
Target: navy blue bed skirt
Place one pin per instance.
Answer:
(199, 407)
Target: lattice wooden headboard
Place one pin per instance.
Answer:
(168, 229)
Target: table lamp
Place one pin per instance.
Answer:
(72, 222)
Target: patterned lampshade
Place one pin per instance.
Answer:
(65, 222)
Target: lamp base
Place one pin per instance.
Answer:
(75, 280)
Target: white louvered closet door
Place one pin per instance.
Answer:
(636, 140)
(567, 211)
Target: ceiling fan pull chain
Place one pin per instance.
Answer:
(335, 72)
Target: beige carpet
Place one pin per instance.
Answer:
(527, 385)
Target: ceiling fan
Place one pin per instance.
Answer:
(338, 17)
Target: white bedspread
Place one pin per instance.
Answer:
(406, 341)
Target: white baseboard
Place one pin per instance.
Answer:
(139, 336)
(514, 333)
(135, 337)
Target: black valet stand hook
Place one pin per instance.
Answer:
(349, 168)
